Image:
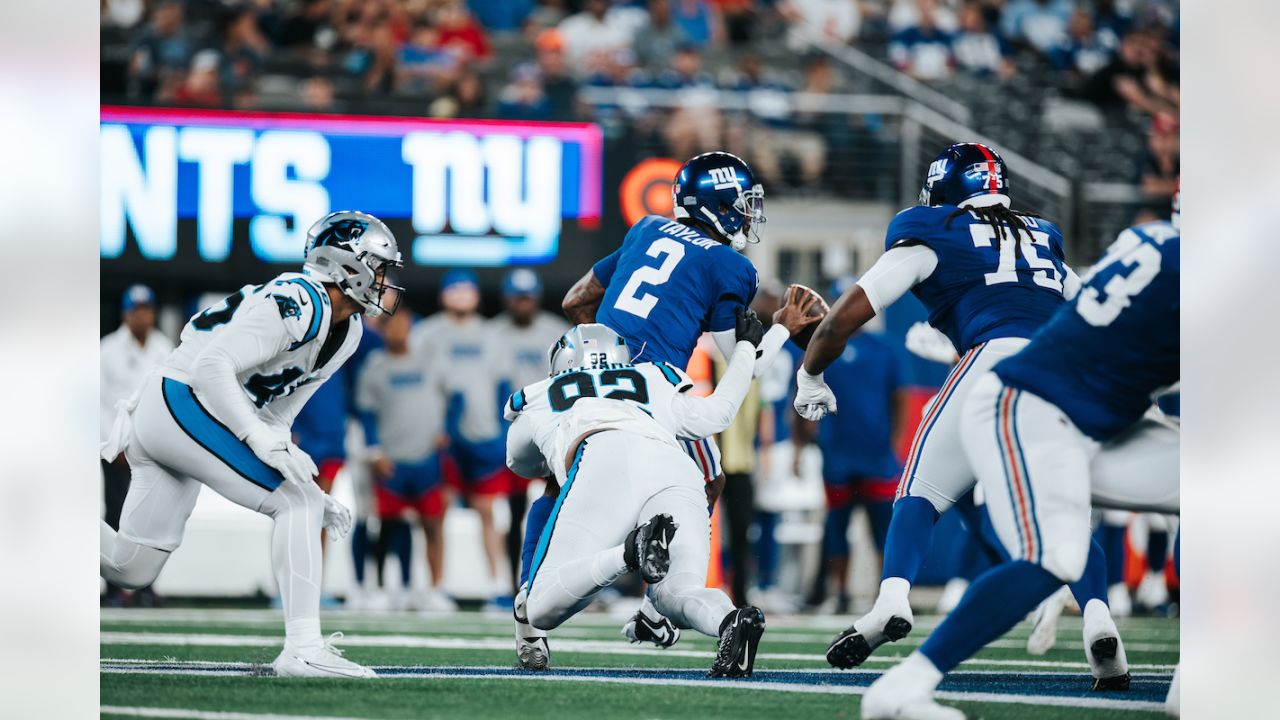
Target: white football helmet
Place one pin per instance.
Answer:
(588, 345)
(355, 250)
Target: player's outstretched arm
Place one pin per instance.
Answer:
(582, 300)
(700, 417)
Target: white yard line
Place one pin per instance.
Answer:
(184, 714)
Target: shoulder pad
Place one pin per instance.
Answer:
(301, 303)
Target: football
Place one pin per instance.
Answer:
(819, 309)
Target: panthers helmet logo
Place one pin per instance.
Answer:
(341, 232)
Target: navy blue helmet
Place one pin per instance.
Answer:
(719, 189)
(966, 171)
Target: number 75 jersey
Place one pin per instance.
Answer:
(277, 336)
(647, 399)
(667, 284)
(982, 289)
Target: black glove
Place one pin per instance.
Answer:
(747, 326)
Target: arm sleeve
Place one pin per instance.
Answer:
(897, 271)
(252, 338)
(523, 456)
(699, 417)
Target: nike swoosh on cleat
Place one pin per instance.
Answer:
(327, 668)
(746, 659)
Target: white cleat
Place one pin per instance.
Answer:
(905, 692)
(321, 660)
(1119, 600)
(1103, 649)
(434, 600)
(532, 649)
(1044, 631)
(1152, 591)
(1173, 703)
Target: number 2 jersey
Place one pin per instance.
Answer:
(647, 399)
(271, 343)
(667, 284)
(980, 291)
(1103, 357)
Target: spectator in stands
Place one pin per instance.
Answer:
(465, 98)
(318, 94)
(1086, 50)
(303, 25)
(923, 51)
(424, 65)
(1041, 24)
(401, 397)
(1160, 166)
(460, 32)
(127, 357)
(161, 57)
(523, 98)
(657, 41)
(740, 20)
(1134, 79)
(598, 28)
(814, 22)
(699, 20)
(694, 126)
(906, 14)
(979, 51)
(244, 49)
(766, 132)
(200, 88)
(557, 82)
(501, 15)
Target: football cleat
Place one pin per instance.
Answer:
(852, 647)
(739, 638)
(320, 660)
(1103, 649)
(905, 692)
(661, 632)
(532, 649)
(648, 548)
(1044, 629)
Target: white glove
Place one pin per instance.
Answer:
(273, 447)
(337, 518)
(931, 344)
(814, 400)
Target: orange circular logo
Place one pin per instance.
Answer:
(646, 189)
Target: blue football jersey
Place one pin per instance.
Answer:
(858, 440)
(1102, 357)
(667, 284)
(979, 291)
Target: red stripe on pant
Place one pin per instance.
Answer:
(923, 429)
(1017, 474)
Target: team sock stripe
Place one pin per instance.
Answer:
(948, 388)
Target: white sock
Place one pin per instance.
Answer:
(894, 591)
(296, 560)
(923, 670)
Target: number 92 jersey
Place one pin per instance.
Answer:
(646, 399)
(979, 291)
(277, 336)
(1103, 356)
(667, 284)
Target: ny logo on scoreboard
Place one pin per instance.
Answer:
(725, 177)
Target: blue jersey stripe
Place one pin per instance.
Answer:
(213, 436)
(540, 553)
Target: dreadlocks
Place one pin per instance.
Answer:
(998, 217)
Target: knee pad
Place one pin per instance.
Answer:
(1066, 561)
(132, 566)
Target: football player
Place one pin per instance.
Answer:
(989, 277)
(670, 281)
(218, 412)
(1049, 431)
(631, 498)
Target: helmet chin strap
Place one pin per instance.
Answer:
(738, 241)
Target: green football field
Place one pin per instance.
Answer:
(213, 664)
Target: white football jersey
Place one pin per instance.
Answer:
(278, 340)
(648, 399)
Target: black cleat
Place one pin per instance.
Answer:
(1105, 649)
(850, 648)
(648, 548)
(661, 632)
(739, 638)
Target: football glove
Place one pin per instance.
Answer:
(814, 400)
(276, 449)
(929, 343)
(337, 518)
(747, 326)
